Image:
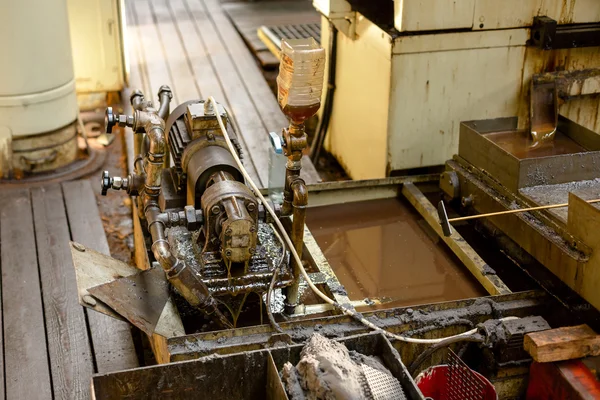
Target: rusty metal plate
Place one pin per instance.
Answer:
(141, 298)
(93, 269)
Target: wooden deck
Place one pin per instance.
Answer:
(192, 46)
(249, 16)
(51, 345)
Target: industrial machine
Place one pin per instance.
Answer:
(208, 231)
(423, 67)
(206, 238)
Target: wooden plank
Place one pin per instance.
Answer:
(68, 342)
(204, 73)
(152, 54)
(112, 341)
(254, 81)
(184, 83)
(25, 352)
(138, 75)
(561, 344)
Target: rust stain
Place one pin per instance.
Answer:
(567, 12)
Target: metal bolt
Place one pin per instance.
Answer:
(215, 209)
(210, 136)
(467, 201)
(251, 207)
(228, 231)
(228, 253)
(78, 246)
(89, 300)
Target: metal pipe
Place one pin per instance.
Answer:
(137, 100)
(299, 203)
(186, 281)
(164, 95)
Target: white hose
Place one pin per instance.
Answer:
(351, 313)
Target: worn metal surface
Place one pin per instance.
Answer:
(559, 193)
(44, 152)
(479, 14)
(555, 246)
(140, 298)
(548, 35)
(473, 261)
(515, 173)
(240, 376)
(431, 320)
(92, 269)
(328, 193)
(129, 294)
(544, 111)
(583, 221)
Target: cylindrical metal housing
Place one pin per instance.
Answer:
(37, 84)
(203, 164)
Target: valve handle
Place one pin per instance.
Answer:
(276, 143)
(106, 182)
(110, 120)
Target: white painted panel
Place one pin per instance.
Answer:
(357, 134)
(433, 92)
(427, 15)
(500, 14)
(96, 43)
(331, 7)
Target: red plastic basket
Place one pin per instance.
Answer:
(451, 382)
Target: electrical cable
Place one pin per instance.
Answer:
(274, 323)
(444, 343)
(349, 312)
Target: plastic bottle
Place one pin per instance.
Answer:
(300, 79)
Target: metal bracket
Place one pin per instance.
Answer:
(548, 35)
(340, 13)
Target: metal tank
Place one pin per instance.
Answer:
(38, 106)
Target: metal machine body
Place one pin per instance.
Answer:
(496, 170)
(423, 67)
(208, 230)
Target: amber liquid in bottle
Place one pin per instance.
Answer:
(299, 114)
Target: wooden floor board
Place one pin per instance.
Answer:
(112, 341)
(204, 74)
(25, 352)
(151, 55)
(184, 83)
(138, 76)
(68, 342)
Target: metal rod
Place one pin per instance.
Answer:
(447, 229)
(548, 207)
